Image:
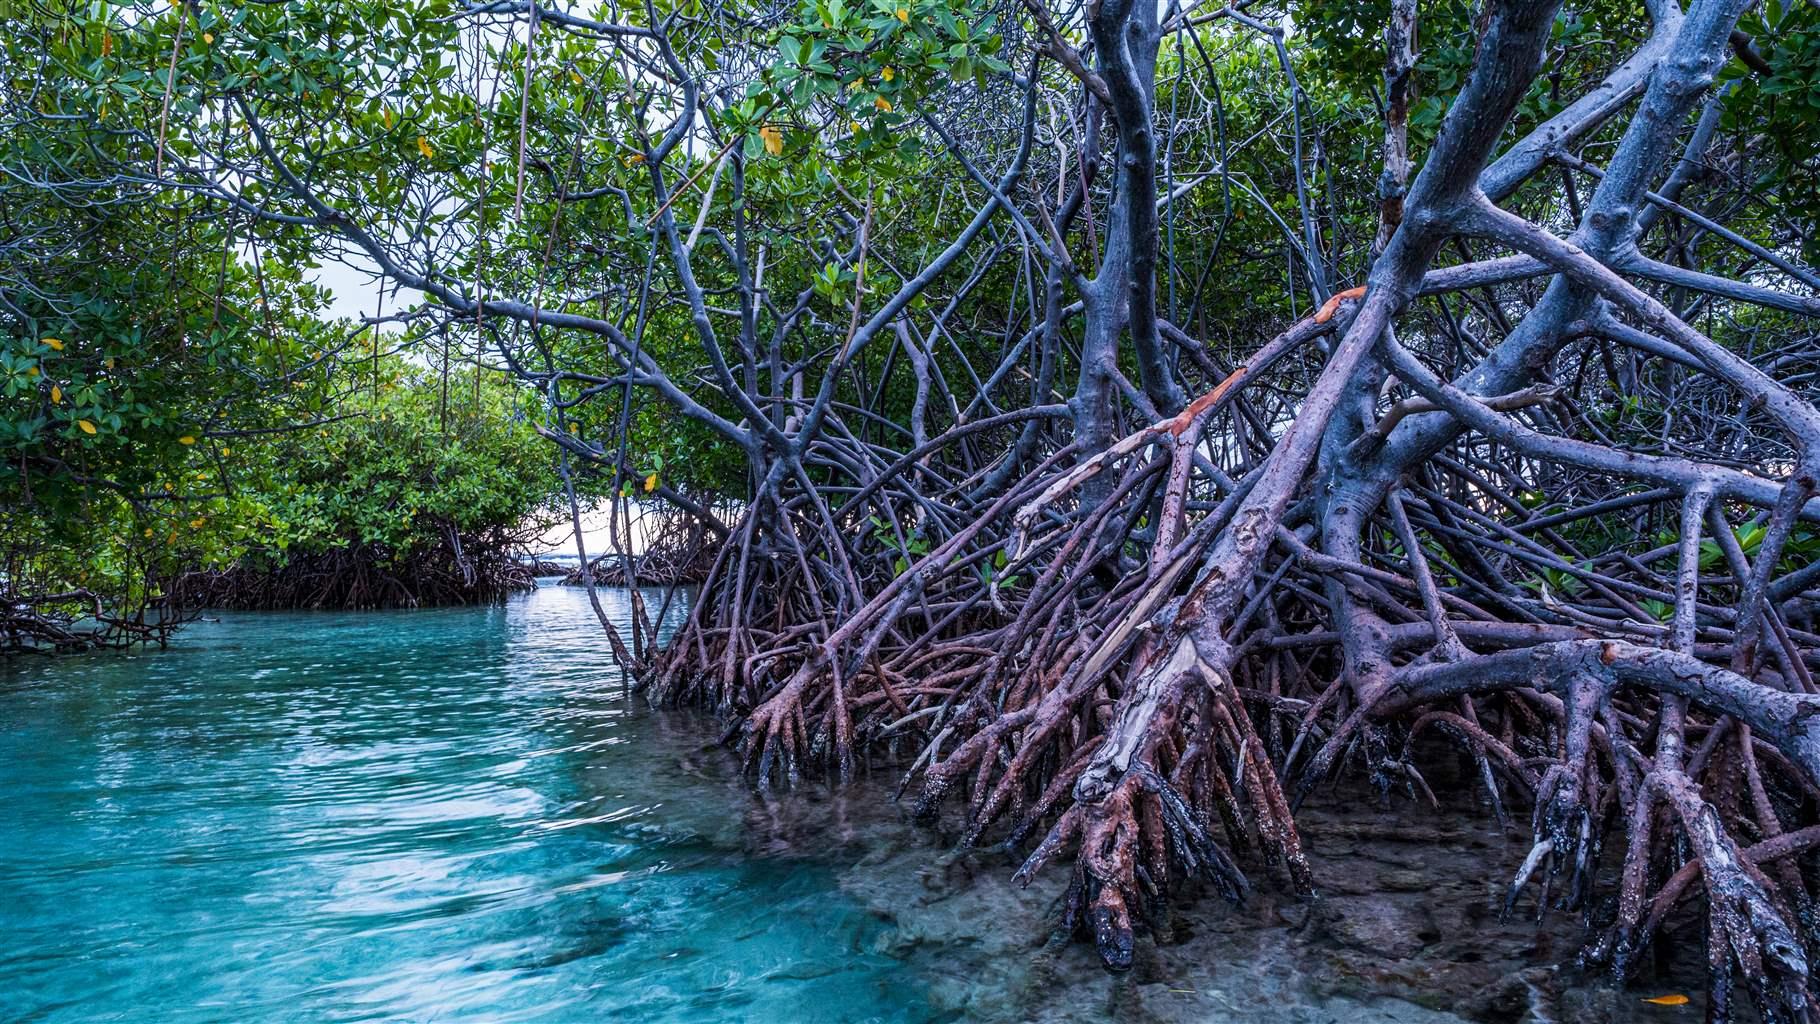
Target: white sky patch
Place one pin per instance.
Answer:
(355, 292)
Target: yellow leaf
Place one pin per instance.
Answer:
(196, 524)
(388, 118)
(148, 531)
(31, 371)
(903, 15)
(423, 146)
(887, 74)
(56, 393)
(208, 38)
(651, 482)
(186, 439)
(774, 139)
(1673, 999)
(575, 76)
(55, 344)
(882, 104)
(110, 362)
(87, 427)
(107, 43)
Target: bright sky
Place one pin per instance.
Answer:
(355, 293)
(560, 539)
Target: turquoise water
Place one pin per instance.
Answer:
(458, 815)
(436, 815)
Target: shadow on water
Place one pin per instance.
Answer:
(458, 815)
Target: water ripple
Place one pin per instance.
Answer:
(437, 815)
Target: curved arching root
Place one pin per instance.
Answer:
(1406, 524)
(1122, 729)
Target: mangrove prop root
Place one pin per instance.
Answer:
(362, 577)
(1134, 652)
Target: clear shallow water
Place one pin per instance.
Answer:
(435, 815)
(457, 815)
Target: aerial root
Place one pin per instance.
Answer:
(1748, 926)
(774, 734)
(1109, 861)
(1189, 839)
(1102, 704)
(1129, 839)
(1564, 822)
